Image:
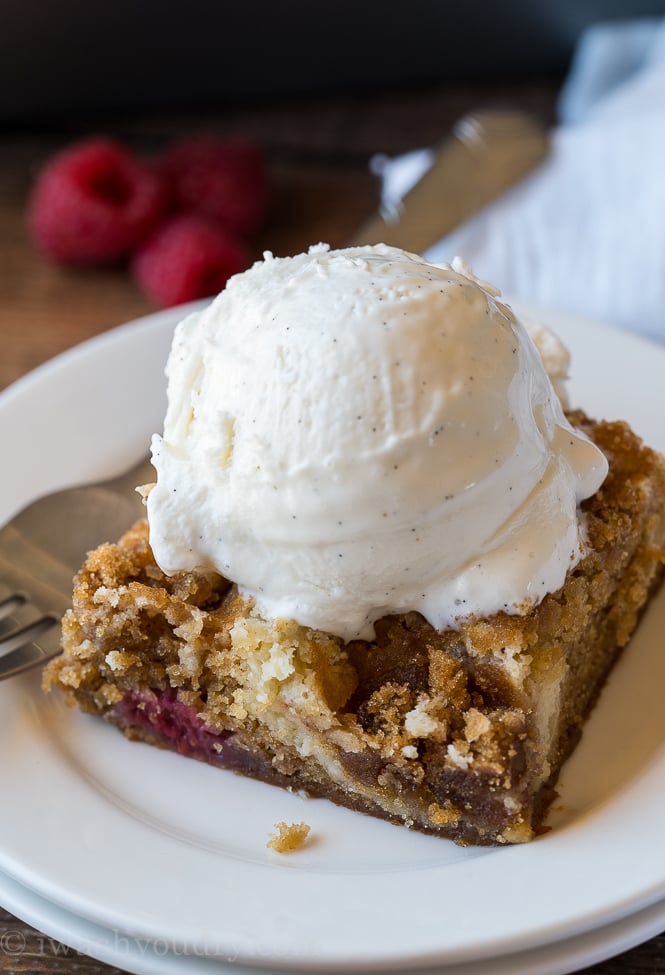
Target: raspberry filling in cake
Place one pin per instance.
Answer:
(173, 724)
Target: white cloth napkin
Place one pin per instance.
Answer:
(585, 232)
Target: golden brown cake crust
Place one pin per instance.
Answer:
(461, 733)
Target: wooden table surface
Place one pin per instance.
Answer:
(322, 189)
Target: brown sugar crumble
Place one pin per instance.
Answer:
(288, 837)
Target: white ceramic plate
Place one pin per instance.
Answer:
(144, 957)
(158, 847)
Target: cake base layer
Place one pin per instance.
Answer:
(460, 733)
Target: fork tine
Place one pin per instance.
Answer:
(41, 548)
(16, 612)
(9, 605)
(33, 645)
(33, 631)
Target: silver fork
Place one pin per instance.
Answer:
(40, 550)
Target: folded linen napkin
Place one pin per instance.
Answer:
(585, 232)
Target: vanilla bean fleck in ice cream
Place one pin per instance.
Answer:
(359, 432)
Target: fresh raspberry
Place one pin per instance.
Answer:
(93, 203)
(225, 180)
(187, 257)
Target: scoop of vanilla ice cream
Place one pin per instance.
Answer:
(359, 432)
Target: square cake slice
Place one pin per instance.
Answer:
(461, 732)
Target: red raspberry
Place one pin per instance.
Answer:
(225, 180)
(93, 203)
(187, 257)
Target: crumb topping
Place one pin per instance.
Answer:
(288, 838)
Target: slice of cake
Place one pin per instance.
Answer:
(382, 565)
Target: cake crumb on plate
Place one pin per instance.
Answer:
(288, 838)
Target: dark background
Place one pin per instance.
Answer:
(73, 56)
